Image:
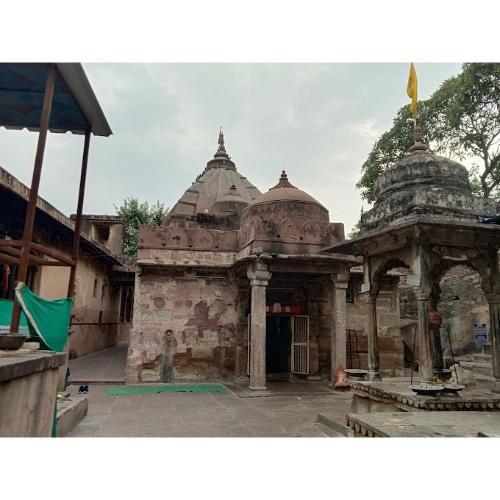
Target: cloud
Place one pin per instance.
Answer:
(319, 121)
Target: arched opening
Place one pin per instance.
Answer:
(464, 332)
(396, 325)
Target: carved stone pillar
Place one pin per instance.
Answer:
(313, 293)
(424, 338)
(338, 329)
(494, 306)
(373, 350)
(259, 277)
(437, 348)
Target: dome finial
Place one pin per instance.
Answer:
(221, 140)
(221, 150)
(418, 137)
(283, 182)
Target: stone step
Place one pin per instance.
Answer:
(328, 431)
(478, 367)
(334, 421)
(487, 358)
(70, 412)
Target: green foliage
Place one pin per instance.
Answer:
(135, 214)
(461, 119)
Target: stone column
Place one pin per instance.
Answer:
(437, 348)
(338, 331)
(424, 339)
(373, 351)
(314, 327)
(259, 277)
(494, 306)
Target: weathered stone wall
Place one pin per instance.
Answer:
(462, 304)
(287, 227)
(184, 327)
(96, 310)
(389, 328)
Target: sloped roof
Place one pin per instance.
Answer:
(75, 107)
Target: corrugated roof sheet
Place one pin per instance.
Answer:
(74, 108)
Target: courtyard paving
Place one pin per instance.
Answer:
(216, 414)
(107, 365)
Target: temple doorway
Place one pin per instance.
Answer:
(278, 343)
(287, 345)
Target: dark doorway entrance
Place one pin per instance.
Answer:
(278, 341)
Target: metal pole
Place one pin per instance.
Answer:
(78, 220)
(35, 183)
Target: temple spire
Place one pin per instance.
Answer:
(221, 139)
(221, 150)
(283, 182)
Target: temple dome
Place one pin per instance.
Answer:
(284, 191)
(422, 168)
(423, 184)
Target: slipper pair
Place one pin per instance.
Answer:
(83, 389)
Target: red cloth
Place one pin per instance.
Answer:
(341, 379)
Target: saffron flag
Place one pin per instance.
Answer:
(411, 90)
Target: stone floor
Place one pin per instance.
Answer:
(216, 414)
(105, 366)
(427, 424)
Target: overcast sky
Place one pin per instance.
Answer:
(318, 121)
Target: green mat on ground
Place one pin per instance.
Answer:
(125, 390)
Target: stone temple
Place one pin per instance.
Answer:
(233, 283)
(237, 284)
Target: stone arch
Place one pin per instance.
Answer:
(459, 295)
(379, 273)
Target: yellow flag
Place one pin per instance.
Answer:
(411, 90)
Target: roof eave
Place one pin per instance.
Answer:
(75, 78)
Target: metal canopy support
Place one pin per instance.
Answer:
(78, 221)
(35, 183)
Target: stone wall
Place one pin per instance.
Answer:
(28, 388)
(462, 304)
(389, 326)
(184, 327)
(96, 310)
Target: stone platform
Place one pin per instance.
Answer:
(28, 388)
(70, 412)
(281, 389)
(426, 424)
(392, 395)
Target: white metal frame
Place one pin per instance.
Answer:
(299, 362)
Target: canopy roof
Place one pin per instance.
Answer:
(74, 108)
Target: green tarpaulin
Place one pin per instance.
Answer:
(6, 307)
(48, 320)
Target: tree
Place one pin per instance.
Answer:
(461, 119)
(135, 214)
